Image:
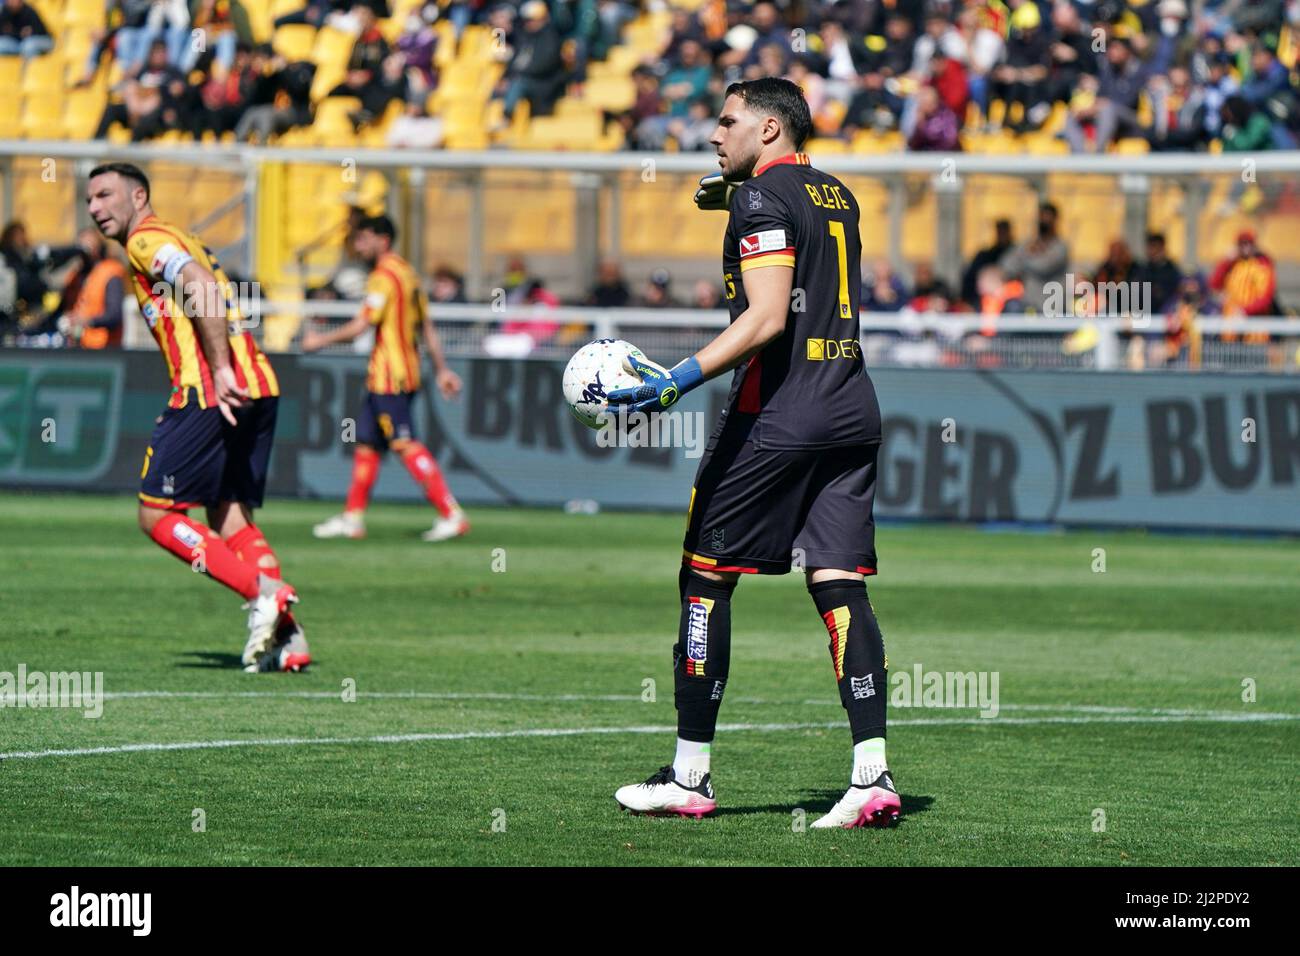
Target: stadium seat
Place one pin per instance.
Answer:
(332, 48)
(10, 118)
(74, 46)
(87, 14)
(1130, 146)
(332, 125)
(611, 93)
(294, 42)
(1042, 144)
(43, 117)
(825, 147)
(51, 12)
(43, 75)
(260, 21)
(11, 73)
(579, 131)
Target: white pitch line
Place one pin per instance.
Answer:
(636, 698)
(592, 731)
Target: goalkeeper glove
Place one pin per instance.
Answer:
(714, 192)
(660, 387)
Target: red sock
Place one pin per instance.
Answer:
(424, 469)
(189, 540)
(365, 470)
(250, 546)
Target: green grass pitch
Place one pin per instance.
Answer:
(1120, 699)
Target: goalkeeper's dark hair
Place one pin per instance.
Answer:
(777, 97)
(126, 171)
(380, 226)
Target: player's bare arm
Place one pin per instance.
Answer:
(315, 341)
(768, 292)
(209, 315)
(449, 383)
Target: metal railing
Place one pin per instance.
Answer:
(1130, 195)
(889, 339)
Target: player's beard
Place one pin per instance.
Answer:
(741, 167)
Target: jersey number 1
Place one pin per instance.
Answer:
(842, 250)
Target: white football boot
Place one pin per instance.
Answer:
(662, 794)
(877, 805)
(444, 529)
(346, 525)
(264, 614)
(289, 653)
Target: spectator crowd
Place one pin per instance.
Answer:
(1176, 78)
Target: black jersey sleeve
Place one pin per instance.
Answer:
(764, 227)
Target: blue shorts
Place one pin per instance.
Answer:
(196, 458)
(385, 418)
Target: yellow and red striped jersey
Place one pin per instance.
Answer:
(395, 305)
(157, 252)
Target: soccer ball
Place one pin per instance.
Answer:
(595, 370)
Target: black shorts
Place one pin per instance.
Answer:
(385, 418)
(196, 458)
(760, 511)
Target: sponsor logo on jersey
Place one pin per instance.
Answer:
(150, 313)
(862, 687)
(755, 199)
(376, 300)
(718, 687)
(827, 350)
(770, 240)
(169, 484)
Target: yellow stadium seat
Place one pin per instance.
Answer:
(826, 147)
(1040, 144)
(1131, 146)
(260, 21)
(81, 113)
(43, 74)
(332, 48)
(75, 45)
(51, 12)
(574, 132)
(10, 120)
(294, 42)
(88, 14)
(445, 52)
(11, 73)
(610, 93)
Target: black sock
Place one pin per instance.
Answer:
(702, 655)
(857, 652)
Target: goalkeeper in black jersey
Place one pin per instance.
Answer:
(789, 474)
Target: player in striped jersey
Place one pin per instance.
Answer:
(396, 307)
(212, 443)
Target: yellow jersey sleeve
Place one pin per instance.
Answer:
(379, 294)
(159, 254)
